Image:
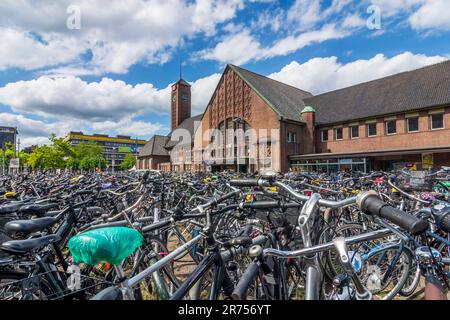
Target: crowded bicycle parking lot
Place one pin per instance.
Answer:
(150, 235)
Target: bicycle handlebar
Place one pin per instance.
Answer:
(370, 203)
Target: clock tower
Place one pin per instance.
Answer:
(180, 102)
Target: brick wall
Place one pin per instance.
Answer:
(425, 137)
(234, 98)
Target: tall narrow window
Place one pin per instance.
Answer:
(354, 132)
(324, 135)
(338, 134)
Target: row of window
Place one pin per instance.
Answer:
(412, 125)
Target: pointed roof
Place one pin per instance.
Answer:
(155, 147)
(183, 82)
(285, 100)
(190, 124)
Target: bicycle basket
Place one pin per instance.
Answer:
(418, 181)
(53, 285)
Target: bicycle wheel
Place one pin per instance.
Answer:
(385, 270)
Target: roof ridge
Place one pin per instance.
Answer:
(266, 77)
(153, 144)
(379, 79)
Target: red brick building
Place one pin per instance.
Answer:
(391, 122)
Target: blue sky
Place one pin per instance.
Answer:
(106, 66)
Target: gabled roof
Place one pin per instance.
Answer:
(182, 81)
(155, 147)
(403, 92)
(190, 124)
(285, 100)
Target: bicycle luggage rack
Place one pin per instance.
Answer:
(78, 287)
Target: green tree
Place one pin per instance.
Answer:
(129, 162)
(87, 156)
(61, 154)
(46, 157)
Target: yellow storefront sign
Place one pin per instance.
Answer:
(427, 160)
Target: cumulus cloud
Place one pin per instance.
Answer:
(33, 131)
(320, 75)
(17, 46)
(110, 106)
(128, 126)
(71, 97)
(202, 90)
(117, 34)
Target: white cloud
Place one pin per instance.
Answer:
(320, 75)
(202, 90)
(19, 49)
(294, 43)
(33, 131)
(353, 21)
(305, 13)
(390, 8)
(71, 97)
(432, 14)
(243, 47)
(107, 100)
(118, 34)
(237, 48)
(128, 126)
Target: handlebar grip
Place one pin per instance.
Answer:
(240, 241)
(261, 205)
(240, 291)
(372, 204)
(226, 197)
(244, 183)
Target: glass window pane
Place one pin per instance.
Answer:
(413, 124)
(437, 121)
(391, 127)
(325, 135)
(355, 132)
(338, 134)
(372, 129)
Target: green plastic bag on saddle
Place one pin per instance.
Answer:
(110, 244)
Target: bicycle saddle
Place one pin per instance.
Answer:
(10, 207)
(110, 244)
(37, 209)
(18, 247)
(29, 226)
